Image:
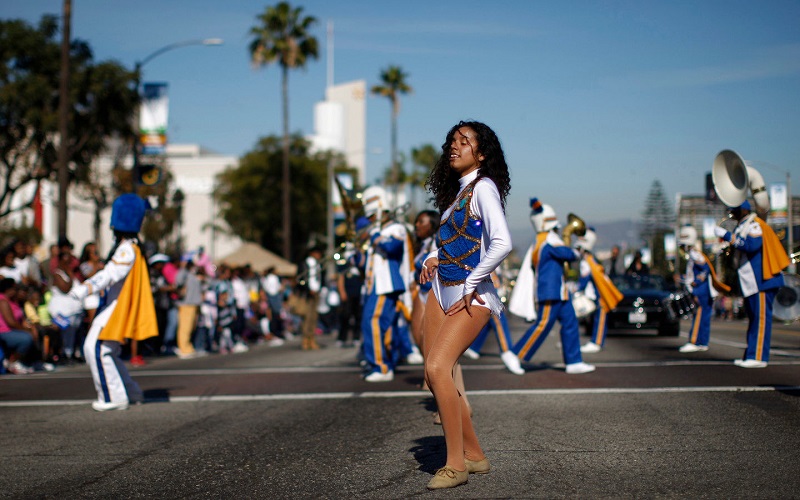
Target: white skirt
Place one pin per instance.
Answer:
(448, 296)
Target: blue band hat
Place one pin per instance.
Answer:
(361, 223)
(745, 206)
(127, 213)
(536, 206)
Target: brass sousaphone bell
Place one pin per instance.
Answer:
(575, 226)
(732, 179)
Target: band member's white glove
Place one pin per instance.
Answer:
(721, 233)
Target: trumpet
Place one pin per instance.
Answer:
(575, 226)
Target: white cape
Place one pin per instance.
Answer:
(522, 296)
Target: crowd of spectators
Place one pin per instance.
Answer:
(201, 309)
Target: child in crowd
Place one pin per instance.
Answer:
(204, 338)
(36, 313)
(226, 315)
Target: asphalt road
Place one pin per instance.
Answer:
(278, 422)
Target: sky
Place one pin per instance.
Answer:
(592, 100)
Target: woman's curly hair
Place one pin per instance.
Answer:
(443, 184)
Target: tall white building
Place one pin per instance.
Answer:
(340, 123)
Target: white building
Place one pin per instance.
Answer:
(194, 170)
(340, 124)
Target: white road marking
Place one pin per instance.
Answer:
(354, 369)
(414, 394)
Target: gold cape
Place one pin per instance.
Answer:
(610, 296)
(134, 316)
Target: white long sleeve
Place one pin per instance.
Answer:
(115, 271)
(496, 240)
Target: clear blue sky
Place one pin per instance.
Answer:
(591, 100)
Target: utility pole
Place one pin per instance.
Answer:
(63, 122)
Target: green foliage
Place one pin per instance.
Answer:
(249, 195)
(102, 101)
(282, 35)
(658, 219)
(393, 83)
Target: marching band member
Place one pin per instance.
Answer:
(701, 280)
(469, 183)
(502, 332)
(552, 296)
(127, 313)
(599, 287)
(762, 258)
(388, 272)
(308, 290)
(425, 227)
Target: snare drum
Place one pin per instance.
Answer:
(683, 304)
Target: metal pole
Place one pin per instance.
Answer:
(63, 123)
(789, 220)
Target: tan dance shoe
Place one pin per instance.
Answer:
(448, 477)
(479, 467)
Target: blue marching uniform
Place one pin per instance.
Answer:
(384, 285)
(587, 285)
(762, 259)
(553, 300)
(502, 332)
(698, 274)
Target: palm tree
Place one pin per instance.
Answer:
(393, 84)
(282, 36)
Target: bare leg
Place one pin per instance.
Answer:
(446, 338)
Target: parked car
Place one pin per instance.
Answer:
(649, 303)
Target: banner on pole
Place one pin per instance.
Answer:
(153, 119)
(779, 203)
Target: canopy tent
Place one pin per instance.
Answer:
(259, 258)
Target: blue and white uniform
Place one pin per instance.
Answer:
(502, 332)
(759, 292)
(587, 286)
(473, 240)
(698, 279)
(428, 245)
(552, 299)
(111, 378)
(388, 272)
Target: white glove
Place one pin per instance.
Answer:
(720, 232)
(79, 292)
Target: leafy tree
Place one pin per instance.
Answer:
(248, 194)
(102, 101)
(393, 83)
(658, 219)
(423, 158)
(282, 36)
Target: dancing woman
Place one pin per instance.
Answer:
(469, 184)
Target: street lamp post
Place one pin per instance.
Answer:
(138, 76)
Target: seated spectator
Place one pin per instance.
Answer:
(36, 313)
(27, 264)
(17, 335)
(8, 267)
(66, 310)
